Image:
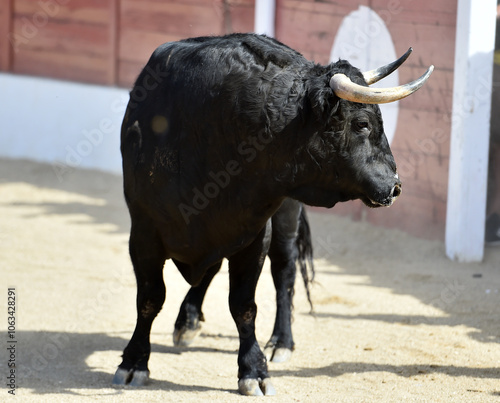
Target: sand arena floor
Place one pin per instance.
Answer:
(394, 319)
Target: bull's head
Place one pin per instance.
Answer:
(352, 149)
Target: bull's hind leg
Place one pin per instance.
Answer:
(283, 254)
(187, 325)
(290, 244)
(244, 271)
(148, 257)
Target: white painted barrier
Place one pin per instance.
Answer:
(470, 131)
(67, 124)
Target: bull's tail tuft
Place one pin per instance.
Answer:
(305, 258)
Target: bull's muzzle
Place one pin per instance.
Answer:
(390, 199)
(396, 191)
(393, 195)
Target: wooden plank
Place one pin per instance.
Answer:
(139, 39)
(241, 3)
(144, 25)
(431, 12)
(5, 28)
(426, 11)
(309, 33)
(70, 38)
(420, 17)
(113, 41)
(79, 36)
(422, 132)
(435, 96)
(423, 175)
(182, 19)
(242, 16)
(89, 11)
(137, 45)
(441, 6)
(62, 65)
(128, 72)
(339, 8)
(427, 49)
(166, 3)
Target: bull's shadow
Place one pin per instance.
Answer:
(58, 361)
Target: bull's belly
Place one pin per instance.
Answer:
(193, 257)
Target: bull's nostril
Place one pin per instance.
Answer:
(396, 191)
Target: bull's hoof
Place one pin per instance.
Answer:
(280, 354)
(254, 387)
(121, 377)
(139, 378)
(183, 337)
(130, 377)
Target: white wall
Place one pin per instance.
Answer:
(470, 132)
(67, 124)
(265, 14)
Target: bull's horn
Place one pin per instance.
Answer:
(372, 76)
(344, 88)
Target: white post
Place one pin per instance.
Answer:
(468, 170)
(265, 12)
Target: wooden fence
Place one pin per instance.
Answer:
(105, 41)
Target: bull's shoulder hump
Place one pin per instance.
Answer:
(262, 49)
(268, 50)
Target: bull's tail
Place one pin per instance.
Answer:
(305, 258)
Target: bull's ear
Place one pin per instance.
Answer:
(323, 101)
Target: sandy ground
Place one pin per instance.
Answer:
(394, 320)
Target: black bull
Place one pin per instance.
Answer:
(221, 137)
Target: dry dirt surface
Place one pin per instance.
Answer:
(394, 321)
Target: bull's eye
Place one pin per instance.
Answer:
(361, 125)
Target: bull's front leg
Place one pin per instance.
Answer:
(244, 272)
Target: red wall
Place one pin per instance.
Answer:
(69, 39)
(145, 24)
(108, 42)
